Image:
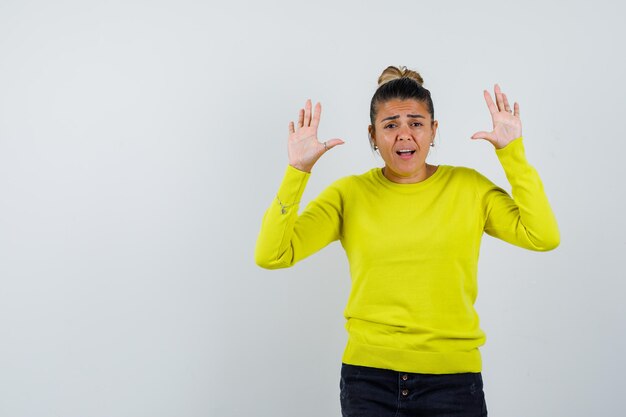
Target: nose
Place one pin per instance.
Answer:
(404, 133)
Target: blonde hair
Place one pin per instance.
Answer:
(393, 73)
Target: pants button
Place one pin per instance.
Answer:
(405, 392)
(405, 377)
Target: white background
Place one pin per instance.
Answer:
(141, 141)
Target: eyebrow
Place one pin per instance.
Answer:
(397, 116)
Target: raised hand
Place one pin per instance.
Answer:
(303, 146)
(507, 125)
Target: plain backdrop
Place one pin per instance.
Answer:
(141, 142)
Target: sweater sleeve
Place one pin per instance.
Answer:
(286, 237)
(526, 220)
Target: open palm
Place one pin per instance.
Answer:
(507, 125)
(303, 147)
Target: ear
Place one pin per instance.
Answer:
(435, 126)
(372, 135)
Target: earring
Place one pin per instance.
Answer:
(432, 144)
(375, 147)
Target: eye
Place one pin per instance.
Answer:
(390, 125)
(417, 124)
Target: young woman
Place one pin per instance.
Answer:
(412, 234)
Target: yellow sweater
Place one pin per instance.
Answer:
(413, 254)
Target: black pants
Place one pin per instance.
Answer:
(373, 392)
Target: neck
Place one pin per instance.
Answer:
(424, 173)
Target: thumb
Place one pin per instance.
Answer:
(483, 135)
(333, 142)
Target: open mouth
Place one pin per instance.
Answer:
(405, 152)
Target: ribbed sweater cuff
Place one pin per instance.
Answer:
(513, 152)
(293, 185)
(513, 159)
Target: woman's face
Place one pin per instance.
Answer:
(403, 132)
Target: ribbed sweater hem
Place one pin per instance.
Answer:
(411, 360)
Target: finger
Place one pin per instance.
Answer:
(316, 115)
(507, 107)
(490, 104)
(301, 118)
(516, 109)
(291, 128)
(332, 143)
(483, 135)
(499, 99)
(307, 113)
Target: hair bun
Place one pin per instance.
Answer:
(393, 73)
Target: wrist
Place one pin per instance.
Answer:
(504, 145)
(301, 167)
